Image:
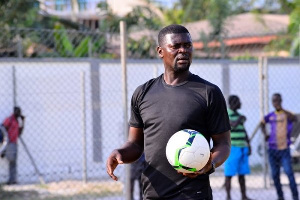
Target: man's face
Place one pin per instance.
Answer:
(236, 104)
(176, 51)
(276, 101)
(17, 112)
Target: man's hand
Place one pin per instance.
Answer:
(242, 119)
(267, 137)
(112, 162)
(249, 150)
(205, 169)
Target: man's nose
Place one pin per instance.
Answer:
(182, 49)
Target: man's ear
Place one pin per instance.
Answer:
(159, 51)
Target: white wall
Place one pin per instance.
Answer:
(50, 94)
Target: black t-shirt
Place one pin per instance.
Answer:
(162, 110)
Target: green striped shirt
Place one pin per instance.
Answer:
(238, 133)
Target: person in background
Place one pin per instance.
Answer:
(14, 125)
(136, 170)
(237, 162)
(279, 140)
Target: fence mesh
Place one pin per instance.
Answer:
(74, 119)
(61, 42)
(41, 43)
(74, 114)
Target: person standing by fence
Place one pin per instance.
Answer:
(279, 141)
(237, 162)
(14, 125)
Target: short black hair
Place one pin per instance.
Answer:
(173, 28)
(277, 94)
(17, 108)
(232, 99)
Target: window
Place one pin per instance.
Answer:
(60, 5)
(82, 4)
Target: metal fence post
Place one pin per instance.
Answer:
(266, 85)
(14, 85)
(125, 112)
(225, 80)
(90, 49)
(262, 113)
(84, 160)
(96, 109)
(19, 46)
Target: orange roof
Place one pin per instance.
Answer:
(238, 41)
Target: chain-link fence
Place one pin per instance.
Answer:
(74, 119)
(61, 42)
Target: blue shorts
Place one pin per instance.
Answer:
(237, 162)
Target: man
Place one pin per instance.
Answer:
(14, 126)
(174, 101)
(279, 141)
(237, 162)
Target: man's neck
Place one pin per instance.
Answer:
(234, 110)
(172, 78)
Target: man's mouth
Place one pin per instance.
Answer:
(182, 61)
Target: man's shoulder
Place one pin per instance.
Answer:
(209, 85)
(141, 89)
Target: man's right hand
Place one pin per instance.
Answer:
(267, 137)
(112, 162)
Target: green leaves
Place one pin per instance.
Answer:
(65, 47)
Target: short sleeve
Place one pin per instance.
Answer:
(217, 115)
(267, 118)
(135, 117)
(7, 122)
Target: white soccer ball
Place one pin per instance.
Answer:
(188, 151)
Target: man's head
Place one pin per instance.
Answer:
(276, 101)
(171, 29)
(175, 47)
(234, 102)
(17, 111)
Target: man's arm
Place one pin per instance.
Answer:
(240, 120)
(290, 116)
(21, 128)
(221, 148)
(248, 142)
(263, 129)
(128, 153)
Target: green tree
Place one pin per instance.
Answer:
(219, 11)
(294, 29)
(185, 11)
(19, 13)
(140, 18)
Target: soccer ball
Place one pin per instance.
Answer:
(188, 151)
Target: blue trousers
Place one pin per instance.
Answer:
(278, 158)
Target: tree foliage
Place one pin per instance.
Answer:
(294, 29)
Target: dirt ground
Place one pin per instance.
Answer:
(63, 190)
(110, 190)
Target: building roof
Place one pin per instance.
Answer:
(244, 25)
(251, 27)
